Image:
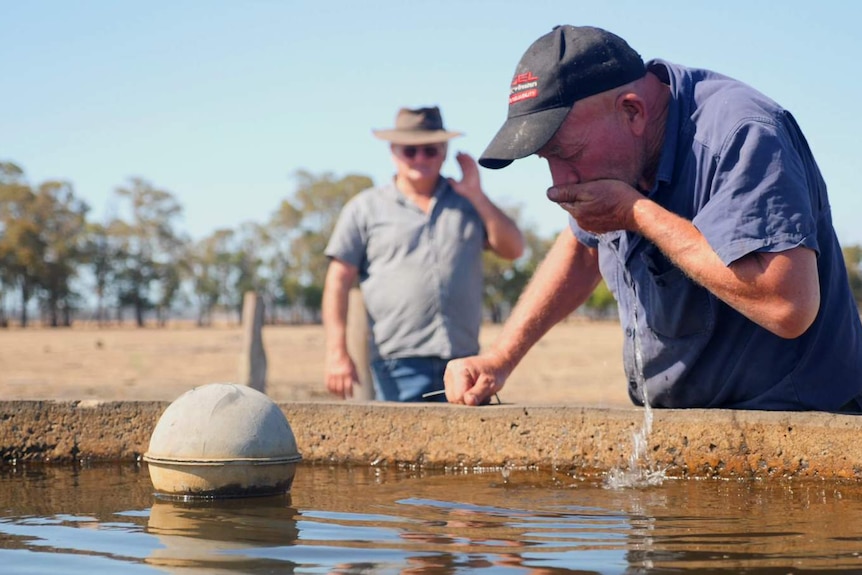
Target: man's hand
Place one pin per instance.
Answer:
(504, 237)
(341, 375)
(473, 380)
(778, 291)
(599, 206)
(470, 185)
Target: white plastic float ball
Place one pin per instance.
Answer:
(222, 440)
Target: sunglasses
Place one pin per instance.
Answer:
(411, 152)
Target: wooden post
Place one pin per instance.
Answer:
(357, 344)
(252, 365)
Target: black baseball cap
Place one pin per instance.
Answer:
(565, 65)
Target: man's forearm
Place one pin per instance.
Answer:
(334, 312)
(335, 328)
(504, 236)
(565, 279)
(778, 291)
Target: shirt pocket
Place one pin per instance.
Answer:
(674, 306)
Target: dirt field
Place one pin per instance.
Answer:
(578, 362)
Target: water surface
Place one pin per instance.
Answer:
(105, 519)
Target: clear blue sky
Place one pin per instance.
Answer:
(221, 102)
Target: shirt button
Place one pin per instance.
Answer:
(629, 332)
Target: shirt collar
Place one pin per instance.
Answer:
(664, 173)
(392, 190)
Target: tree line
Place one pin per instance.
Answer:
(56, 260)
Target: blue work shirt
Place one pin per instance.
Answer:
(737, 166)
(420, 274)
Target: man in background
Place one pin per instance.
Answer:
(415, 244)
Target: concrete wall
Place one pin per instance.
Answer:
(700, 443)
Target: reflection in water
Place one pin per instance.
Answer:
(217, 536)
(350, 520)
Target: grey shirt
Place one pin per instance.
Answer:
(420, 274)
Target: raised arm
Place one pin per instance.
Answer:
(504, 237)
(778, 291)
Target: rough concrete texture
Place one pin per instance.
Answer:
(587, 441)
(63, 431)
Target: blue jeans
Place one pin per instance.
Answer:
(407, 378)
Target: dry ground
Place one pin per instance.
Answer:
(578, 362)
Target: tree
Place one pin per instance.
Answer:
(170, 276)
(103, 254)
(21, 247)
(301, 227)
(210, 269)
(853, 262)
(504, 280)
(150, 244)
(601, 303)
(61, 219)
(252, 242)
(41, 246)
(10, 176)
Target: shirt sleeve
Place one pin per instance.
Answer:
(760, 199)
(347, 242)
(587, 238)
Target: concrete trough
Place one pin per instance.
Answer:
(579, 440)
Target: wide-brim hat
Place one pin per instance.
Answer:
(416, 127)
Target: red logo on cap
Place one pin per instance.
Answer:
(524, 78)
(524, 87)
(515, 98)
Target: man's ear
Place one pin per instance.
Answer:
(633, 109)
